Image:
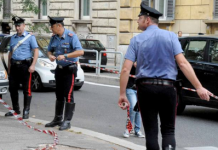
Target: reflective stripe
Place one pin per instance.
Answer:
(71, 90)
(29, 85)
(20, 42)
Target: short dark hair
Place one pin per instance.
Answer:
(179, 31)
(154, 20)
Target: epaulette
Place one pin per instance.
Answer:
(70, 34)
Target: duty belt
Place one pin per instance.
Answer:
(19, 62)
(155, 81)
(62, 67)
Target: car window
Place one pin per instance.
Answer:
(83, 43)
(213, 51)
(95, 44)
(43, 43)
(194, 50)
(41, 54)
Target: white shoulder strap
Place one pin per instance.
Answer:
(20, 42)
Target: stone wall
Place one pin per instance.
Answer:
(105, 20)
(190, 16)
(105, 23)
(60, 8)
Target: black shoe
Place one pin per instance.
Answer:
(8, 114)
(26, 115)
(68, 115)
(56, 122)
(65, 125)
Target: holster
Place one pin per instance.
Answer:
(73, 69)
(178, 84)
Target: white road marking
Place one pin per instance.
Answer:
(92, 83)
(201, 148)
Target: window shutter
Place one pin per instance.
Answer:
(216, 9)
(170, 9)
(147, 2)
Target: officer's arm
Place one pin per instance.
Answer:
(35, 57)
(76, 45)
(76, 53)
(188, 71)
(9, 61)
(124, 77)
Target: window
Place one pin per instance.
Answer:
(83, 43)
(95, 44)
(215, 9)
(213, 51)
(166, 7)
(43, 6)
(85, 9)
(194, 50)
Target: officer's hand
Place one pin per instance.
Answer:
(204, 93)
(31, 69)
(60, 57)
(52, 58)
(123, 99)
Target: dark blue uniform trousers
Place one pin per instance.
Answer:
(19, 74)
(154, 100)
(64, 84)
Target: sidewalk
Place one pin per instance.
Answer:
(16, 136)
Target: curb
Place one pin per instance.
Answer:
(102, 79)
(94, 134)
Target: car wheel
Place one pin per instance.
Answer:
(77, 87)
(36, 83)
(181, 106)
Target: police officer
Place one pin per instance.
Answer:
(64, 45)
(156, 51)
(21, 65)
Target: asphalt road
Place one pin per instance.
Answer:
(97, 110)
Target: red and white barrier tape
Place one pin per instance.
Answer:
(133, 76)
(128, 121)
(20, 119)
(193, 90)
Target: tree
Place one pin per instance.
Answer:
(27, 6)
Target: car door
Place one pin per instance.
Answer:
(211, 68)
(4, 49)
(195, 53)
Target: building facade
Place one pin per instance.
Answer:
(114, 22)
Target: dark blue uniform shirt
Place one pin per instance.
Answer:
(155, 50)
(68, 43)
(23, 51)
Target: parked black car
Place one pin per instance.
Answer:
(90, 57)
(202, 53)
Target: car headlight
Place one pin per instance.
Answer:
(3, 75)
(45, 64)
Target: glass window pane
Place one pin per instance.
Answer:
(196, 50)
(214, 51)
(86, 7)
(161, 6)
(44, 8)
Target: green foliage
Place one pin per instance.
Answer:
(30, 6)
(39, 28)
